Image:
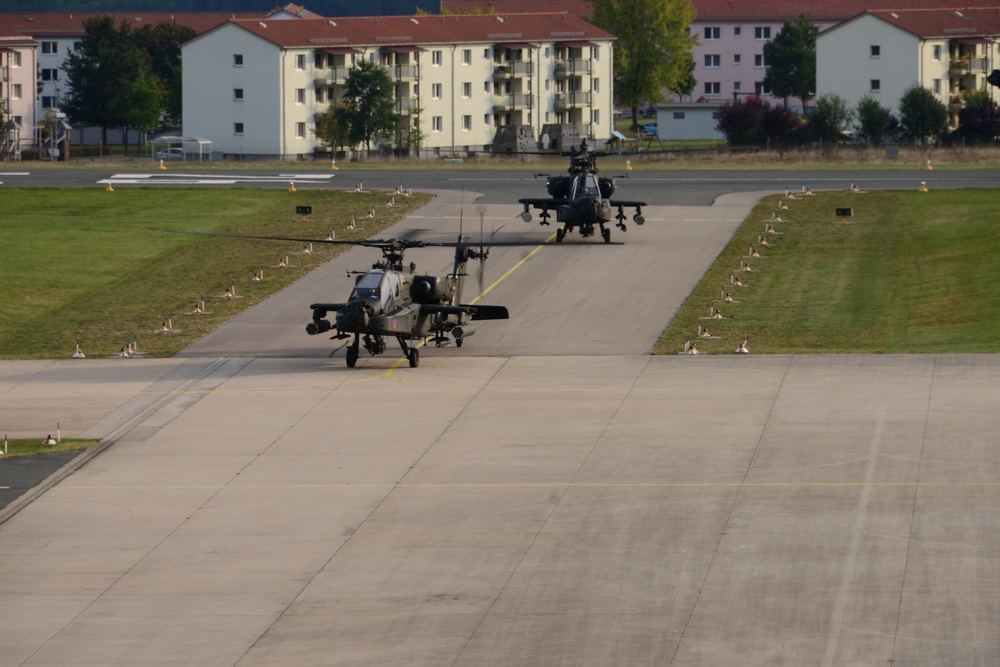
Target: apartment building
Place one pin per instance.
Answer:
(882, 53)
(17, 86)
(255, 87)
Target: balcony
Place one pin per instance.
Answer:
(566, 68)
(407, 106)
(967, 65)
(579, 98)
(513, 69)
(333, 76)
(511, 101)
(402, 72)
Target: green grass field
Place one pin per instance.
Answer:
(34, 447)
(100, 267)
(911, 272)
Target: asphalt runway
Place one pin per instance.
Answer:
(547, 494)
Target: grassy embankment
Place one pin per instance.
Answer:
(100, 268)
(912, 272)
(33, 447)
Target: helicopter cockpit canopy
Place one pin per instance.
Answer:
(377, 286)
(587, 186)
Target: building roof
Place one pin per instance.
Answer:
(450, 29)
(818, 10)
(944, 23)
(70, 24)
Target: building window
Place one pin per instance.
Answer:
(15, 91)
(937, 86)
(737, 86)
(678, 115)
(237, 128)
(760, 89)
(762, 32)
(466, 56)
(713, 88)
(238, 94)
(876, 51)
(712, 33)
(436, 91)
(319, 95)
(237, 60)
(486, 54)
(50, 48)
(300, 95)
(737, 59)
(437, 123)
(486, 86)
(48, 102)
(737, 31)
(937, 52)
(597, 85)
(50, 75)
(876, 85)
(713, 60)
(300, 130)
(758, 60)
(15, 60)
(467, 89)
(436, 58)
(77, 46)
(597, 117)
(466, 123)
(300, 62)
(716, 115)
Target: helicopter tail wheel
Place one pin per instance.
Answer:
(606, 234)
(559, 235)
(413, 355)
(352, 356)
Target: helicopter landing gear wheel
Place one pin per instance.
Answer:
(352, 355)
(606, 234)
(559, 235)
(414, 357)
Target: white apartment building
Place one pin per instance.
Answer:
(882, 53)
(17, 94)
(255, 87)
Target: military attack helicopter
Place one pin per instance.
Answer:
(582, 199)
(393, 300)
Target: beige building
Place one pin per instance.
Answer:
(254, 87)
(882, 53)
(17, 94)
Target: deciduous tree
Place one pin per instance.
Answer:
(872, 120)
(922, 115)
(368, 94)
(791, 60)
(652, 49)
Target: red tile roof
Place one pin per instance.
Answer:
(455, 29)
(69, 24)
(944, 23)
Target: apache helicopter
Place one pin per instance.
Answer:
(581, 199)
(392, 300)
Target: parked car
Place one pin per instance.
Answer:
(170, 154)
(649, 128)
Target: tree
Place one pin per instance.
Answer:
(652, 50)
(791, 61)
(921, 114)
(872, 120)
(140, 105)
(368, 95)
(979, 119)
(99, 70)
(162, 43)
(752, 121)
(831, 118)
(333, 126)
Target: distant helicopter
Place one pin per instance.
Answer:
(393, 300)
(582, 199)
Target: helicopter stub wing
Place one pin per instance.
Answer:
(328, 306)
(630, 204)
(477, 312)
(541, 203)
